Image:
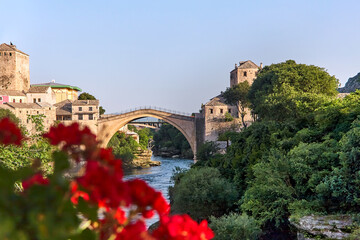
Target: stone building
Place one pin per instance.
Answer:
(62, 91)
(14, 68)
(40, 94)
(54, 100)
(24, 110)
(214, 111)
(246, 71)
(14, 96)
(85, 112)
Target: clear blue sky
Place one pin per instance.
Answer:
(176, 54)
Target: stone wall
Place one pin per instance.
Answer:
(238, 75)
(48, 97)
(14, 71)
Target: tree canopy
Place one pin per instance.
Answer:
(238, 96)
(290, 90)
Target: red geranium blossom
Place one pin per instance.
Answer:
(182, 227)
(9, 132)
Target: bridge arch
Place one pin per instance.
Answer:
(109, 125)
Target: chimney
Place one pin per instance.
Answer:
(235, 65)
(261, 65)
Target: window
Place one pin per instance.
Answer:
(39, 99)
(221, 110)
(0, 53)
(37, 112)
(245, 74)
(34, 100)
(80, 117)
(1, 98)
(4, 53)
(10, 54)
(14, 100)
(91, 117)
(211, 111)
(90, 108)
(80, 109)
(20, 100)
(229, 110)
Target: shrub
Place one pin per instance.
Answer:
(235, 226)
(202, 193)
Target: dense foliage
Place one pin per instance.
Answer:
(238, 96)
(170, 139)
(203, 193)
(290, 90)
(125, 147)
(59, 208)
(235, 227)
(36, 147)
(300, 157)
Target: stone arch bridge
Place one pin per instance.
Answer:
(188, 125)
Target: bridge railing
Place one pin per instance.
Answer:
(153, 108)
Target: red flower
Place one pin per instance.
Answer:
(9, 132)
(72, 137)
(145, 196)
(36, 179)
(120, 216)
(77, 193)
(133, 231)
(104, 184)
(182, 227)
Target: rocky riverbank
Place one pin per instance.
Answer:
(325, 227)
(142, 160)
(171, 152)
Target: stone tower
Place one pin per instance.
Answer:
(14, 68)
(246, 71)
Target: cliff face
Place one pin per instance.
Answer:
(351, 85)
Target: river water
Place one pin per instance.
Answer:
(159, 177)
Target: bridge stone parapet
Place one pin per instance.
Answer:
(186, 124)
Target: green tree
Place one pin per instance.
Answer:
(290, 91)
(202, 192)
(88, 96)
(170, 138)
(238, 96)
(206, 151)
(235, 227)
(271, 192)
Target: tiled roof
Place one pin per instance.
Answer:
(216, 101)
(85, 102)
(63, 108)
(248, 64)
(45, 104)
(17, 93)
(57, 85)
(62, 112)
(24, 105)
(38, 89)
(9, 48)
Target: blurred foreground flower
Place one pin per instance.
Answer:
(124, 205)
